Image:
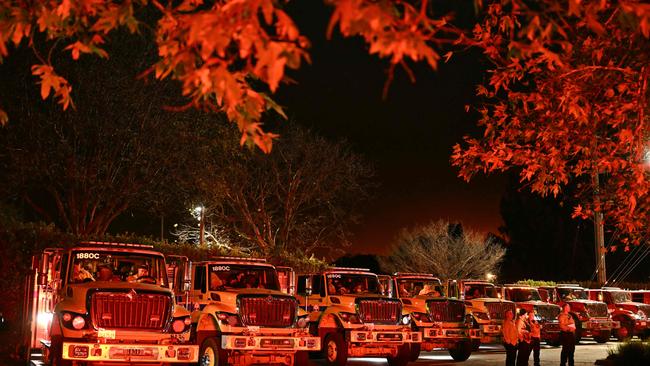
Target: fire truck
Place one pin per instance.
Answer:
(103, 303)
(528, 298)
(632, 316)
(484, 303)
(442, 321)
(591, 317)
(353, 318)
(240, 315)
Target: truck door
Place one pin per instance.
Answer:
(179, 277)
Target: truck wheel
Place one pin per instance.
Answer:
(625, 332)
(211, 353)
(336, 350)
(603, 336)
(301, 358)
(476, 344)
(402, 358)
(414, 351)
(461, 351)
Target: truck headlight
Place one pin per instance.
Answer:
(421, 317)
(78, 322)
(406, 320)
(351, 318)
(640, 314)
(229, 319)
(73, 321)
(180, 325)
(302, 322)
(481, 315)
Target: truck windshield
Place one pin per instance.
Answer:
(568, 294)
(523, 294)
(411, 287)
(115, 266)
(621, 296)
(351, 283)
(233, 276)
(475, 291)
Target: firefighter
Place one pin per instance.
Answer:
(523, 332)
(535, 336)
(567, 335)
(510, 338)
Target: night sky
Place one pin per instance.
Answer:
(408, 137)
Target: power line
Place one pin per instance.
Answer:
(623, 265)
(638, 261)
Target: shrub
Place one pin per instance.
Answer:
(630, 354)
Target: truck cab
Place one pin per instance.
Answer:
(632, 316)
(241, 316)
(483, 301)
(591, 317)
(528, 298)
(353, 318)
(443, 322)
(106, 303)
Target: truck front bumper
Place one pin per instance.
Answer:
(384, 336)
(270, 343)
(133, 353)
(491, 333)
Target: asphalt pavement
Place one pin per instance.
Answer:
(587, 352)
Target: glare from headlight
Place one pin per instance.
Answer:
(44, 319)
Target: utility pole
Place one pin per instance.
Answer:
(599, 233)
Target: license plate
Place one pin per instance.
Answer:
(253, 329)
(141, 353)
(106, 333)
(389, 337)
(643, 324)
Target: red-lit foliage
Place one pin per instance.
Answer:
(566, 99)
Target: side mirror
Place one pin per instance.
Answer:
(308, 285)
(43, 269)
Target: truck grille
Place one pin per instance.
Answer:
(548, 312)
(380, 311)
(497, 310)
(597, 310)
(446, 311)
(267, 311)
(118, 310)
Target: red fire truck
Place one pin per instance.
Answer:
(633, 316)
(591, 317)
(106, 303)
(527, 297)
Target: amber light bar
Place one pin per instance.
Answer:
(113, 244)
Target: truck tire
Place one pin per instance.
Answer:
(402, 358)
(336, 350)
(211, 353)
(476, 344)
(461, 351)
(603, 336)
(414, 351)
(625, 332)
